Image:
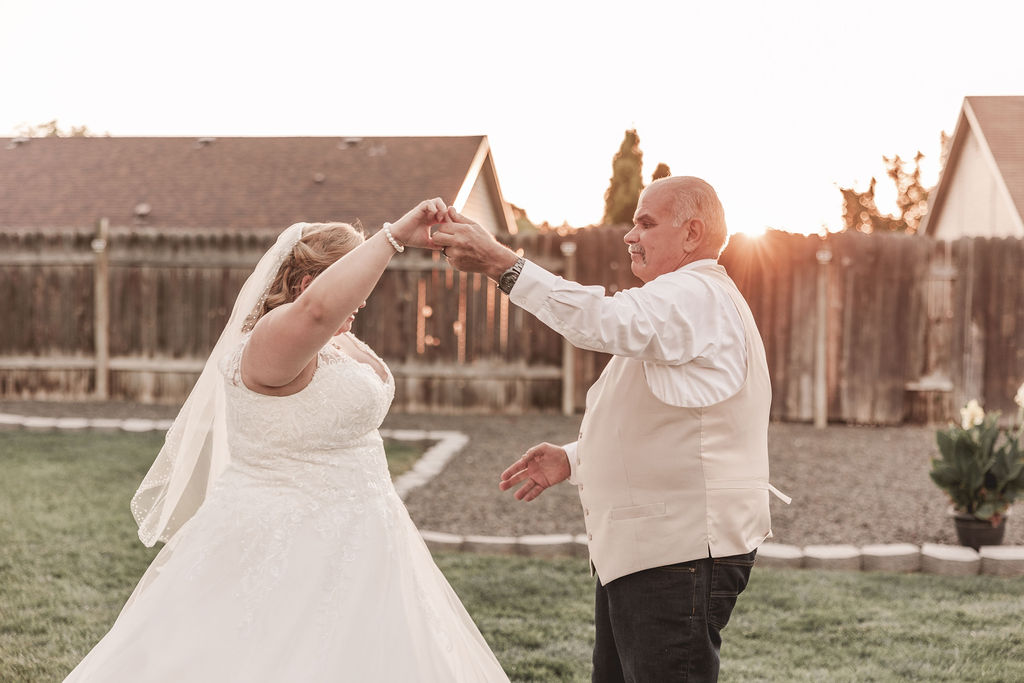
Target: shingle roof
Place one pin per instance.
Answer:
(1001, 119)
(236, 182)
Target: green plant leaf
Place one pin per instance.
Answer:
(987, 509)
(947, 444)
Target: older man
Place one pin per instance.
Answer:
(672, 457)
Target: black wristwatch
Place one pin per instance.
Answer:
(508, 279)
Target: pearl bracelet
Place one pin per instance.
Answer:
(391, 238)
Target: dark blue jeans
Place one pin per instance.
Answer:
(664, 624)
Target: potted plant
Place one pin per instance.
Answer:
(981, 468)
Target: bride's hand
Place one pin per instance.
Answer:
(413, 229)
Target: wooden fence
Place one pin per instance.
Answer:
(857, 328)
(133, 314)
(912, 327)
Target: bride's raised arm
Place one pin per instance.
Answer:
(285, 341)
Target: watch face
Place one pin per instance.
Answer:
(508, 279)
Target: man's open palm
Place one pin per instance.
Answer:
(541, 466)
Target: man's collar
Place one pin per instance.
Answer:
(692, 265)
(700, 263)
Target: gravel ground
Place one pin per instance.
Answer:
(849, 484)
(856, 485)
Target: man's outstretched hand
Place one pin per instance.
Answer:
(541, 466)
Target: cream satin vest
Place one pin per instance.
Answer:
(661, 484)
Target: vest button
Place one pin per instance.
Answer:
(586, 511)
(590, 537)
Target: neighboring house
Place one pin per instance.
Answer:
(981, 190)
(243, 182)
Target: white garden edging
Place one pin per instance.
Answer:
(78, 423)
(932, 558)
(430, 464)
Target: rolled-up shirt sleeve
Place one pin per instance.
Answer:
(671, 319)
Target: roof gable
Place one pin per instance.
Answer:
(997, 123)
(239, 182)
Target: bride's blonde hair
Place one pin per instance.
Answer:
(321, 245)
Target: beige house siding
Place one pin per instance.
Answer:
(480, 205)
(975, 203)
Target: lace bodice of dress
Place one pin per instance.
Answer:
(341, 408)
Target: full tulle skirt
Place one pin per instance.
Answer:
(271, 582)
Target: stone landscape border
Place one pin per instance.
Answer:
(433, 460)
(931, 558)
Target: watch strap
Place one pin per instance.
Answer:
(508, 279)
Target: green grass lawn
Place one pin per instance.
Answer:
(69, 558)
(402, 455)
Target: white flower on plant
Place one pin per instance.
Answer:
(972, 414)
(1019, 398)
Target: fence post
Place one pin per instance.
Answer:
(568, 250)
(824, 256)
(101, 308)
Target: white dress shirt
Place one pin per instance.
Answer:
(682, 325)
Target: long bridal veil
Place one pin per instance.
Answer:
(195, 450)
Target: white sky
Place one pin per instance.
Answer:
(774, 103)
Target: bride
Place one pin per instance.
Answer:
(289, 556)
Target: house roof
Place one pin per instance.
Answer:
(998, 124)
(239, 182)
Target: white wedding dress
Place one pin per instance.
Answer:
(302, 564)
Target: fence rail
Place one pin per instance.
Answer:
(857, 328)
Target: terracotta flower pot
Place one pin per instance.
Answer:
(974, 532)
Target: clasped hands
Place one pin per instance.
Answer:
(467, 245)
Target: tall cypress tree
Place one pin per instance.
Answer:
(624, 188)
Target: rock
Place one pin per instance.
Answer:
(8, 420)
(493, 545)
(72, 423)
(779, 556)
(440, 541)
(405, 434)
(1002, 560)
(138, 425)
(834, 557)
(105, 423)
(551, 545)
(39, 422)
(949, 560)
(891, 557)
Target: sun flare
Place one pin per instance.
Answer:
(751, 231)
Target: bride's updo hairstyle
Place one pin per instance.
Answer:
(321, 245)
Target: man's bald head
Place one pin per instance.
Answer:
(695, 198)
